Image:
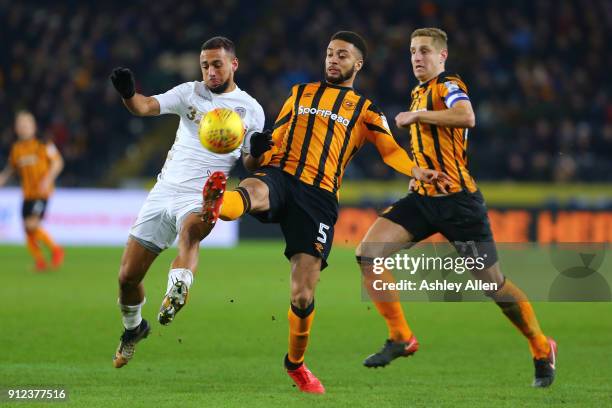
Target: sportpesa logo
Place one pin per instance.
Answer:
(304, 110)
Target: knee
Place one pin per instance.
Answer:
(493, 276)
(189, 239)
(362, 255)
(30, 225)
(302, 297)
(370, 250)
(192, 232)
(359, 251)
(257, 192)
(254, 196)
(365, 259)
(127, 280)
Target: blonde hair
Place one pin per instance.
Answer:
(440, 39)
(23, 112)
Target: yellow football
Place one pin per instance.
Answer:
(221, 130)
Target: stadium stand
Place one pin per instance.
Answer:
(537, 75)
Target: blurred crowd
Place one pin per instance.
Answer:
(537, 73)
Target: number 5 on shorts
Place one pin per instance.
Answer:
(322, 238)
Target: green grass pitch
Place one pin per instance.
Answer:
(226, 347)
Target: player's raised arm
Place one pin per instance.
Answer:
(137, 104)
(461, 115)
(458, 113)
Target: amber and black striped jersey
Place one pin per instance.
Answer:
(31, 159)
(320, 128)
(437, 147)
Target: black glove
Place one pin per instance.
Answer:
(123, 81)
(261, 142)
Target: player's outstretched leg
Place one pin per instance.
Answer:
(305, 272)
(251, 196)
(193, 230)
(135, 263)
(383, 239)
(514, 304)
(216, 203)
(184, 266)
(401, 341)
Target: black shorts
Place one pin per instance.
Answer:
(461, 217)
(34, 207)
(306, 214)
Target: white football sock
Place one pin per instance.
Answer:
(179, 274)
(131, 316)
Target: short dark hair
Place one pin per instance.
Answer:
(353, 38)
(219, 42)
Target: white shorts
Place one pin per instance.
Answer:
(161, 216)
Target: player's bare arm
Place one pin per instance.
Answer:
(55, 168)
(5, 174)
(141, 105)
(137, 104)
(461, 115)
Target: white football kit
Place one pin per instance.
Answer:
(178, 190)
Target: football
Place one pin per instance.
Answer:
(221, 130)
